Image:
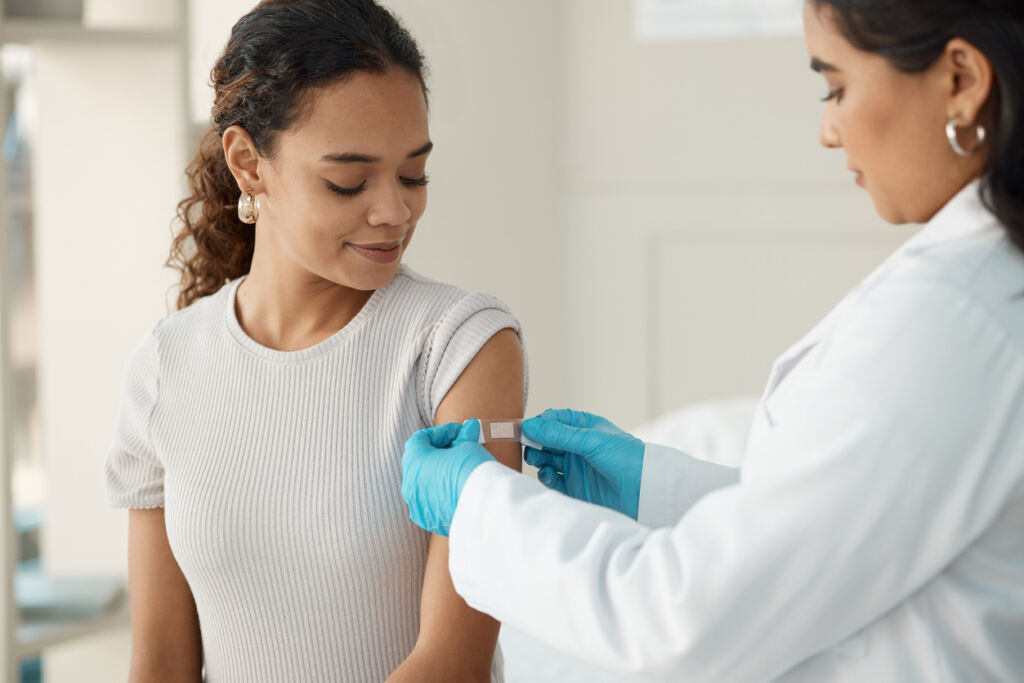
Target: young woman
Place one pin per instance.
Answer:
(875, 531)
(261, 427)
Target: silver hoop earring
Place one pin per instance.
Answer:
(954, 140)
(248, 208)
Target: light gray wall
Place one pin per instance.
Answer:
(684, 162)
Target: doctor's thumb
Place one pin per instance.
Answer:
(469, 431)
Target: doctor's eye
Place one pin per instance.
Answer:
(836, 95)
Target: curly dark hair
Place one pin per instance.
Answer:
(277, 54)
(912, 34)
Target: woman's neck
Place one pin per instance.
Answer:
(285, 307)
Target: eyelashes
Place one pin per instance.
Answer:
(346, 191)
(417, 182)
(352, 191)
(836, 95)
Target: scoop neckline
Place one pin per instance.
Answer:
(301, 355)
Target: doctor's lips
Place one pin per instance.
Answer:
(380, 252)
(858, 176)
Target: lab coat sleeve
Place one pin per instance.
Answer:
(885, 463)
(673, 481)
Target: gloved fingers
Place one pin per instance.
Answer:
(573, 418)
(538, 459)
(554, 435)
(425, 440)
(551, 479)
(443, 436)
(469, 431)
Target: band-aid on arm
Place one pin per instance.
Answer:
(498, 431)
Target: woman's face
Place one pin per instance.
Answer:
(346, 185)
(891, 124)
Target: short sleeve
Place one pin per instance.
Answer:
(455, 340)
(134, 473)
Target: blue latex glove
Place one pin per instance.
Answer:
(587, 457)
(435, 466)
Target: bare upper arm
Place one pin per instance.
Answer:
(166, 644)
(492, 386)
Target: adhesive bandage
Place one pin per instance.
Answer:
(498, 431)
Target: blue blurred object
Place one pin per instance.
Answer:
(31, 670)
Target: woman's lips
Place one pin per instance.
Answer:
(378, 253)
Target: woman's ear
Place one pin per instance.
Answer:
(971, 81)
(242, 159)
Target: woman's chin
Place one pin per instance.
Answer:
(368, 277)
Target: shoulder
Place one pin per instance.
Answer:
(947, 333)
(455, 327)
(202, 314)
(955, 293)
(436, 304)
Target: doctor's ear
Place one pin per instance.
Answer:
(968, 75)
(243, 159)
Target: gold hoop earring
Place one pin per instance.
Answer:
(954, 140)
(248, 208)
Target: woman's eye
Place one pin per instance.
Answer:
(346, 191)
(836, 95)
(417, 182)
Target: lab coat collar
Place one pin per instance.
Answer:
(963, 216)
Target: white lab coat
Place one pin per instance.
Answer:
(875, 532)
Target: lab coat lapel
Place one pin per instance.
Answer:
(784, 365)
(789, 360)
(798, 352)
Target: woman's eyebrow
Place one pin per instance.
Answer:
(356, 158)
(820, 66)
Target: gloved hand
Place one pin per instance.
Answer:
(435, 466)
(587, 457)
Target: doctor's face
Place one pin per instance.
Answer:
(891, 124)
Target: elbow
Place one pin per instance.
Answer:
(166, 671)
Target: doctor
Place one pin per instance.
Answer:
(876, 530)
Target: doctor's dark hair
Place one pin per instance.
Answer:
(912, 34)
(278, 55)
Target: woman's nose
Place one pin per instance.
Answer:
(828, 134)
(389, 207)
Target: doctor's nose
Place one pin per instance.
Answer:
(389, 208)
(828, 134)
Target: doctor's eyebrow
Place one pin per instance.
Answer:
(820, 66)
(354, 158)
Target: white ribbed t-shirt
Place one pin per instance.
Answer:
(280, 475)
